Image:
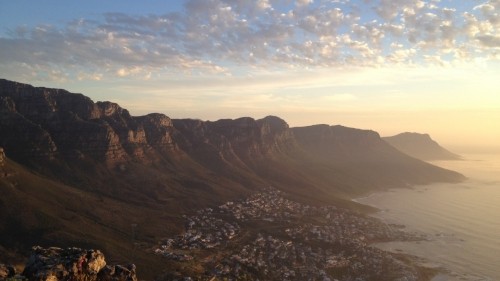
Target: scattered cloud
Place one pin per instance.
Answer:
(489, 40)
(221, 37)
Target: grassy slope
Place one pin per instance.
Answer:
(38, 211)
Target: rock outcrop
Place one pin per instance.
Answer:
(3, 174)
(55, 264)
(7, 271)
(2, 156)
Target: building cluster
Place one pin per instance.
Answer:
(306, 243)
(202, 231)
(271, 258)
(344, 227)
(269, 206)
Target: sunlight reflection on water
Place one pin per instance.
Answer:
(462, 220)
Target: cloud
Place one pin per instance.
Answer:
(223, 37)
(489, 40)
(301, 3)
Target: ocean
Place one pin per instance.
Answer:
(462, 221)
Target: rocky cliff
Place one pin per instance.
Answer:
(85, 138)
(240, 143)
(48, 123)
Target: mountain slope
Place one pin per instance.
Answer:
(35, 210)
(355, 161)
(420, 146)
(73, 162)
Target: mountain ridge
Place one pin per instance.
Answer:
(420, 146)
(82, 138)
(148, 170)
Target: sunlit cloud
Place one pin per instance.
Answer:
(218, 36)
(321, 61)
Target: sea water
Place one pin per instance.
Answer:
(461, 221)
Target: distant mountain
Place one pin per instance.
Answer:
(352, 158)
(82, 173)
(420, 146)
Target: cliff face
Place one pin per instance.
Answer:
(48, 123)
(40, 124)
(240, 143)
(338, 142)
(56, 123)
(151, 158)
(26, 138)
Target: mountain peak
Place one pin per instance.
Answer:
(110, 108)
(420, 146)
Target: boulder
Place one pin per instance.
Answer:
(54, 264)
(117, 273)
(7, 271)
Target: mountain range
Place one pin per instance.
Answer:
(83, 173)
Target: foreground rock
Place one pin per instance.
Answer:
(7, 271)
(2, 156)
(74, 264)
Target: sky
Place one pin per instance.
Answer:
(386, 65)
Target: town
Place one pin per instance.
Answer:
(269, 237)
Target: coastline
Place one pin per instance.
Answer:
(458, 219)
(426, 269)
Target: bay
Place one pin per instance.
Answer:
(461, 220)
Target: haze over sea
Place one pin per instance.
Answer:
(462, 220)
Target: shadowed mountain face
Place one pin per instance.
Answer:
(354, 160)
(80, 163)
(420, 146)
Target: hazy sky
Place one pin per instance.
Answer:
(387, 65)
